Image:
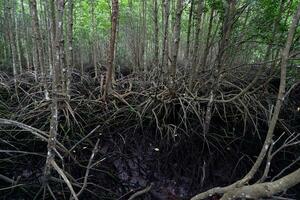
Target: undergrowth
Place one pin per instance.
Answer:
(146, 134)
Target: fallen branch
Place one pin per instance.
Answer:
(267, 189)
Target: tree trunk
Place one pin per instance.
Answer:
(53, 31)
(18, 49)
(81, 63)
(59, 43)
(94, 28)
(144, 42)
(44, 16)
(112, 42)
(69, 44)
(25, 38)
(38, 44)
(165, 50)
(187, 51)
(207, 44)
(156, 30)
(176, 31)
(196, 45)
(10, 27)
(49, 36)
(56, 85)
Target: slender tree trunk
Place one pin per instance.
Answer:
(52, 32)
(196, 46)
(59, 42)
(56, 85)
(156, 30)
(45, 34)
(226, 32)
(207, 44)
(165, 50)
(139, 45)
(3, 14)
(187, 50)
(114, 21)
(176, 40)
(144, 42)
(38, 43)
(132, 40)
(13, 48)
(19, 61)
(49, 37)
(94, 38)
(59, 25)
(25, 38)
(81, 62)
(69, 43)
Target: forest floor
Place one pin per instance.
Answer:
(141, 136)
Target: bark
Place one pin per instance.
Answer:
(139, 42)
(94, 38)
(59, 60)
(69, 44)
(13, 47)
(56, 87)
(197, 43)
(156, 30)
(81, 63)
(132, 39)
(46, 35)
(38, 44)
(226, 32)
(82, 54)
(187, 51)
(5, 36)
(165, 51)
(176, 40)
(52, 32)
(114, 21)
(19, 61)
(49, 36)
(25, 37)
(207, 44)
(144, 36)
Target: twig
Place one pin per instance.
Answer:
(88, 135)
(62, 174)
(141, 192)
(95, 150)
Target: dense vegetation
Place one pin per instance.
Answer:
(149, 99)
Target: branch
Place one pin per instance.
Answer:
(63, 175)
(267, 189)
(38, 133)
(141, 192)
